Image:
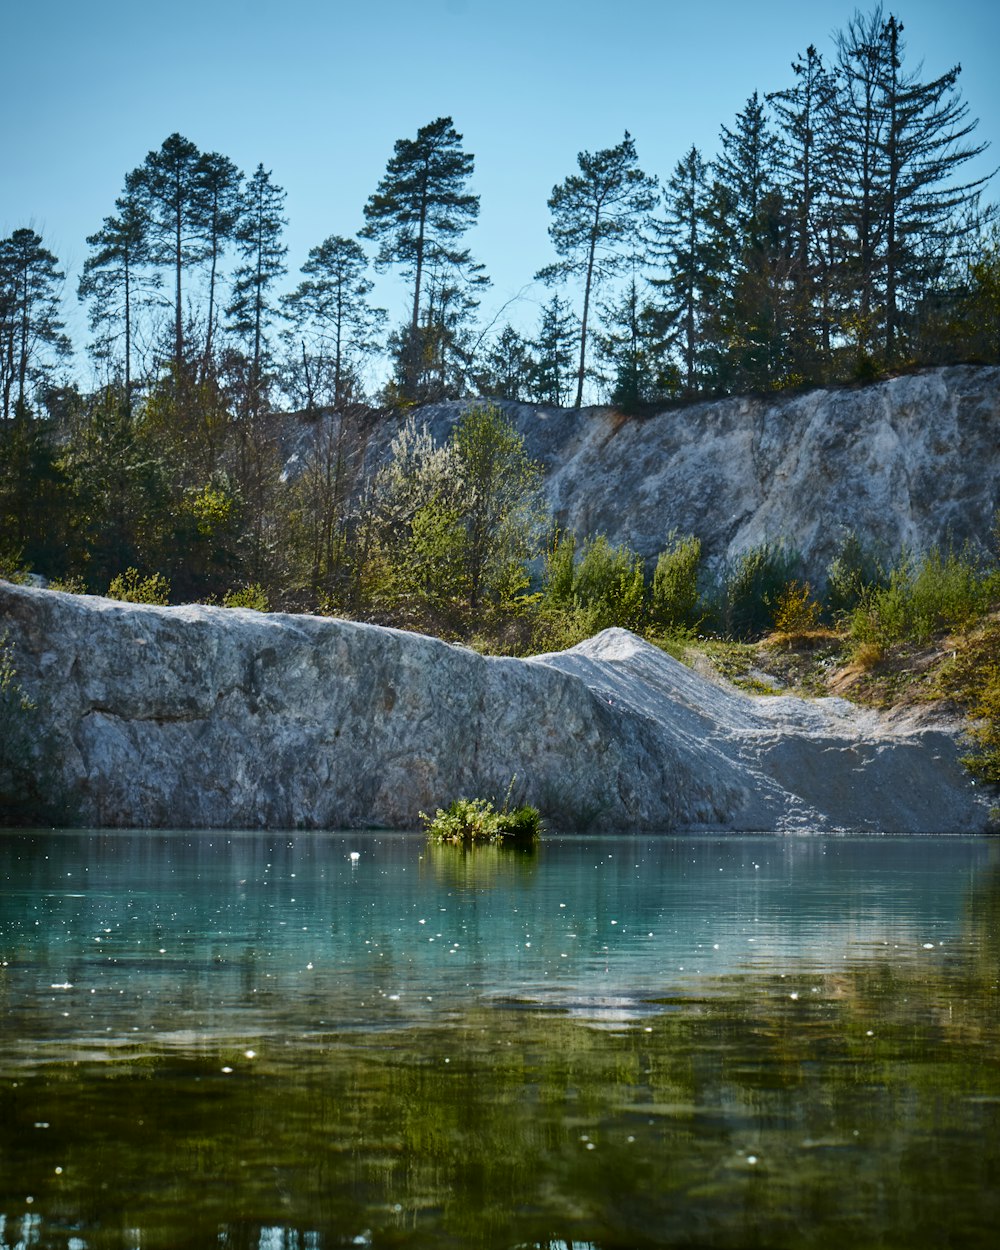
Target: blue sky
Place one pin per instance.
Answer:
(319, 92)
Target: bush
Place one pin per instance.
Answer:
(468, 821)
(796, 612)
(129, 587)
(942, 592)
(608, 581)
(751, 589)
(675, 583)
(252, 596)
(853, 573)
(974, 679)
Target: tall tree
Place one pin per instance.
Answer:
(627, 347)
(901, 143)
(805, 112)
(169, 187)
(597, 222)
(31, 332)
(219, 186)
(691, 245)
(508, 366)
(553, 346)
(332, 318)
(111, 280)
(747, 167)
(421, 207)
(258, 240)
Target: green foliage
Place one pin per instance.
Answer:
(796, 611)
(751, 588)
(252, 596)
(974, 679)
(609, 582)
(675, 592)
(130, 587)
(469, 821)
(921, 598)
(852, 575)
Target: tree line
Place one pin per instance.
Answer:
(835, 235)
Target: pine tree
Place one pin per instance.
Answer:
(113, 283)
(598, 216)
(258, 240)
(31, 332)
(332, 319)
(419, 210)
(508, 367)
(168, 187)
(691, 245)
(626, 346)
(220, 193)
(554, 353)
(805, 112)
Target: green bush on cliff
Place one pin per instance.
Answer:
(130, 587)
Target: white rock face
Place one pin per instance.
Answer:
(205, 717)
(906, 463)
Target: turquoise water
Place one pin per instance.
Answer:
(358, 1039)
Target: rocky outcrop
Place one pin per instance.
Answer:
(207, 717)
(905, 463)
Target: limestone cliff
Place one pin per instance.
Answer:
(904, 463)
(206, 717)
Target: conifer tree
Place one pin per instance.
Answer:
(332, 319)
(554, 353)
(690, 245)
(112, 283)
(31, 331)
(258, 240)
(220, 190)
(169, 190)
(421, 207)
(598, 216)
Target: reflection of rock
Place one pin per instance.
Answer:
(207, 717)
(907, 462)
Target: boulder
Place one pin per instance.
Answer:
(204, 717)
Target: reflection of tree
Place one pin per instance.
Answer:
(501, 1126)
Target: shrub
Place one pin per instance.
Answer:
(796, 611)
(940, 592)
(468, 821)
(129, 587)
(974, 679)
(609, 582)
(675, 583)
(852, 574)
(252, 596)
(751, 589)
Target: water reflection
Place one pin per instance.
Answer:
(257, 1041)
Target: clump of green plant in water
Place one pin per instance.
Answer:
(466, 822)
(131, 587)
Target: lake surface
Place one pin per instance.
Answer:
(287, 1042)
